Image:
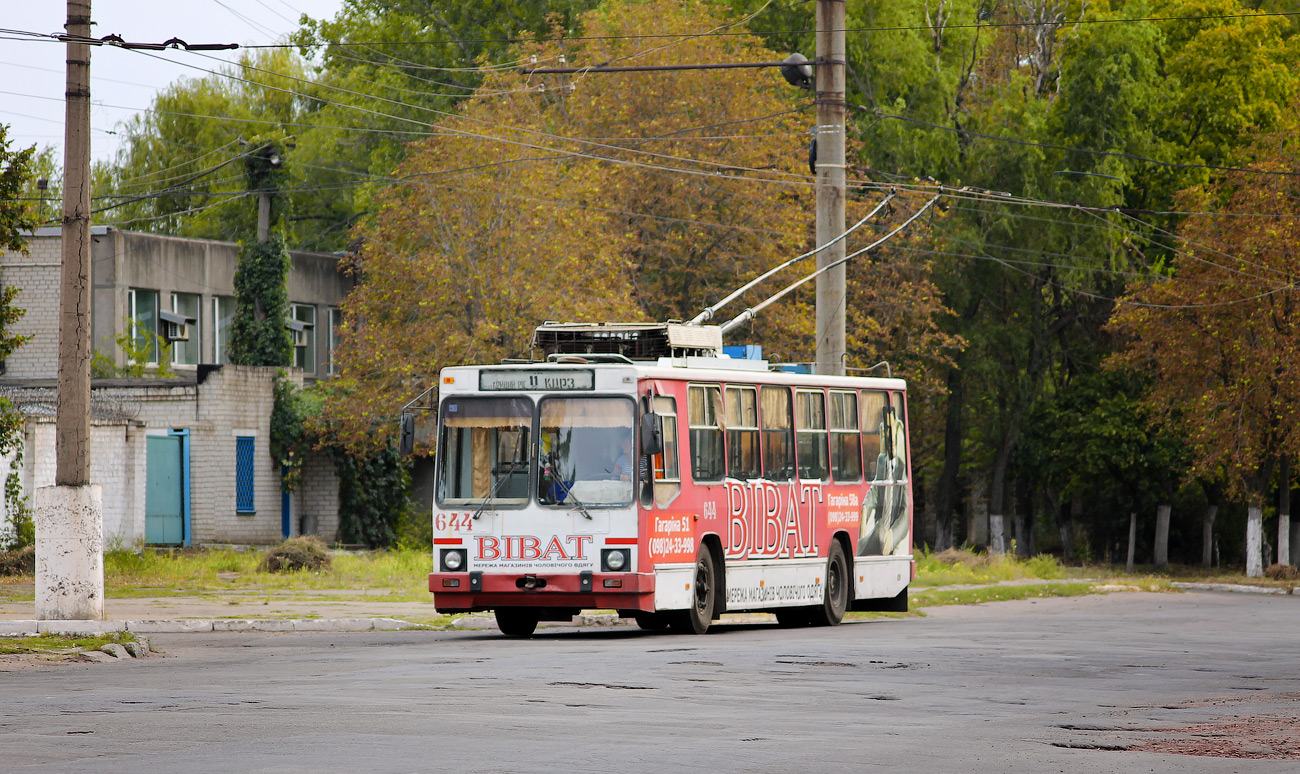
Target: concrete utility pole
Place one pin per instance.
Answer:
(69, 515)
(829, 64)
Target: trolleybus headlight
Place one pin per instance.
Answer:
(615, 559)
(453, 559)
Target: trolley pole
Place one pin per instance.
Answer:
(829, 70)
(69, 515)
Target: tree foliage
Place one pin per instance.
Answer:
(1222, 335)
(605, 197)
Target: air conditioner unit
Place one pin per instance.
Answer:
(299, 329)
(174, 327)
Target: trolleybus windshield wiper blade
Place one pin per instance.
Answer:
(514, 463)
(566, 488)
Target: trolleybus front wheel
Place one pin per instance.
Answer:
(652, 622)
(517, 621)
(696, 619)
(836, 597)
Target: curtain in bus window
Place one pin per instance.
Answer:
(810, 427)
(704, 415)
(667, 475)
(873, 422)
(846, 449)
(778, 438)
(742, 432)
(484, 451)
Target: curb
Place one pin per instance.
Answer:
(202, 625)
(1233, 587)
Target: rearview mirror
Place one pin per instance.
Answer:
(652, 433)
(406, 435)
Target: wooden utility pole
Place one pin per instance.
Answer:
(72, 420)
(70, 515)
(829, 68)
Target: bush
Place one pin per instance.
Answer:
(19, 562)
(1282, 572)
(962, 556)
(300, 553)
(1045, 566)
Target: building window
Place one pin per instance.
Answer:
(304, 341)
(244, 499)
(335, 324)
(188, 352)
(144, 323)
(223, 314)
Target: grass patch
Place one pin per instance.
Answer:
(956, 567)
(60, 644)
(126, 572)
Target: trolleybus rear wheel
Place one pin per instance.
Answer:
(836, 598)
(696, 618)
(517, 621)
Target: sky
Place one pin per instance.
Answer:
(122, 82)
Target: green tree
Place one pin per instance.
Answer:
(1222, 335)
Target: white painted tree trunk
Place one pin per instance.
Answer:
(1161, 552)
(1254, 542)
(1284, 538)
(997, 535)
(1132, 540)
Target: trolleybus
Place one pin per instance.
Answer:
(636, 468)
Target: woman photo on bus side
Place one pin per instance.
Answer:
(884, 525)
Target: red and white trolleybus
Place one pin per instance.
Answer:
(638, 469)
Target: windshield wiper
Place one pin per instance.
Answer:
(509, 472)
(566, 488)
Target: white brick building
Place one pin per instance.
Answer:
(182, 460)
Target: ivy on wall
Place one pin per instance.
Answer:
(258, 336)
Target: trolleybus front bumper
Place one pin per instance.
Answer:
(458, 592)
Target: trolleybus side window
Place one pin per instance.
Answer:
(485, 451)
(742, 432)
(586, 453)
(704, 414)
(874, 454)
(898, 443)
(846, 448)
(667, 475)
(810, 426)
(778, 438)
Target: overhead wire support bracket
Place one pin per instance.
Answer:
(709, 312)
(753, 311)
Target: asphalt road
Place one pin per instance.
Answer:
(1092, 684)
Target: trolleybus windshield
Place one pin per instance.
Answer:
(485, 451)
(587, 452)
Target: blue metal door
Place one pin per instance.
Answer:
(164, 500)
